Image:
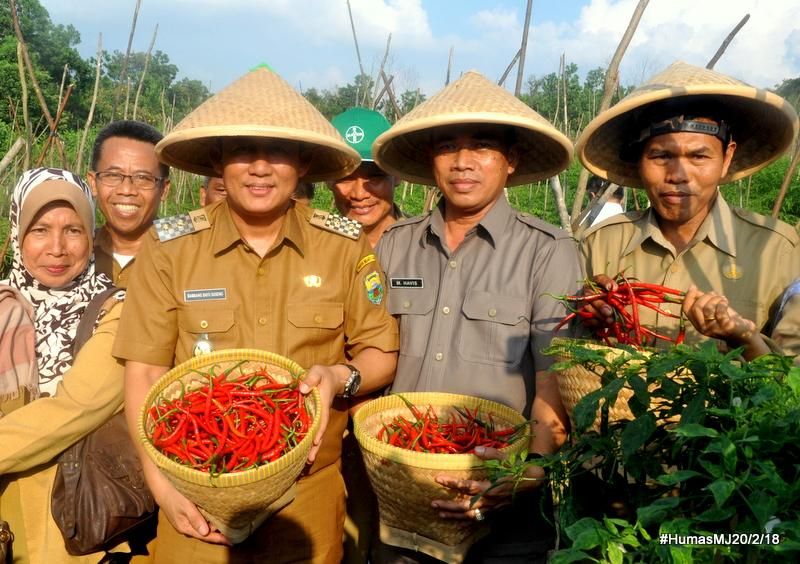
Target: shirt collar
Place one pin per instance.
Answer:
(494, 223)
(226, 234)
(717, 228)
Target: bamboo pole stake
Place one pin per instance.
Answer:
(611, 85)
(787, 180)
(63, 81)
(522, 49)
(727, 42)
(26, 57)
(123, 74)
(383, 65)
(508, 69)
(565, 91)
(386, 85)
(449, 66)
(25, 115)
(358, 51)
(89, 119)
(18, 145)
(561, 206)
(144, 72)
(53, 138)
(392, 99)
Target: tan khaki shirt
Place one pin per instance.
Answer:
(104, 259)
(316, 297)
(745, 256)
(474, 321)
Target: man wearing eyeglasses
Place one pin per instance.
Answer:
(128, 182)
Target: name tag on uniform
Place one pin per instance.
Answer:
(205, 295)
(406, 283)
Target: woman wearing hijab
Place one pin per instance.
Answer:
(52, 222)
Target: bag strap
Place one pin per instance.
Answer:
(70, 460)
(89, 319)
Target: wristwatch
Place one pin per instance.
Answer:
(353, 382)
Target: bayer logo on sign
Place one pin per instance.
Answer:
(354, 134)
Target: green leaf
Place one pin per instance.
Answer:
(615, 553)
(656, 511)
(793, 380)
(587, 535)
(569, 555)
(636, 434)
(722, 489)
(716, 514)
(676, 477)
(694, 430)
(763, 505)
(729, 456)
(585, 410)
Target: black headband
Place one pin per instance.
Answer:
(676, 124)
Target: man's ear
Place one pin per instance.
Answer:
(727, 157)
(306, 156)
(165, 186)
(92, 181)
(512, 157)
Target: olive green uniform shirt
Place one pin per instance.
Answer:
(474, 321)
(316, 297)
(104, 261)
(747, 257)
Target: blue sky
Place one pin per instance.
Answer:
(309, 42)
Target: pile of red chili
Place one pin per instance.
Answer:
(460, 433)
(230, 423)
(625, 301)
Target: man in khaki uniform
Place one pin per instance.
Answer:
(678, 137)
(469, 283)
(129, 183)
(255, 270)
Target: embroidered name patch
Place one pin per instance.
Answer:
(406, 283)
(205, 295)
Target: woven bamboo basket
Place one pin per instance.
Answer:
(236, 503)
(404, 481)
(578, 381)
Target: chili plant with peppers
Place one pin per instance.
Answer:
(230, 423)
(713, 448)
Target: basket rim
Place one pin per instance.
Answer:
(432, 460)
(226, 479)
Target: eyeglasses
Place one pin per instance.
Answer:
(140, 181)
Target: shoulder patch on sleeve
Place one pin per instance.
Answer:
(168, 228)
(335, 223)
(776, 225)
(370, 258)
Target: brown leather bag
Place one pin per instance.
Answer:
(6, 538)
(100, 497)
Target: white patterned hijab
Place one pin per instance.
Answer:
(57, 311)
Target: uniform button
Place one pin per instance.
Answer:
(674, 268)
(492, 312)
(406, 304)
(445, 310)
(453, 264)
(204, 324)
(260, 271)
(439, 356)
(262, 320)
(317, 319)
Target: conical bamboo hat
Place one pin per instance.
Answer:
(259, 104)
(472, 99)
(762, 123)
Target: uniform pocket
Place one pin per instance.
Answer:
(216, 325)
(412, 308)
(497, 328)
(314, 331)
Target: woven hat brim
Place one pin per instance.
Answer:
(190, 149)
(404, 150)
(765, 126)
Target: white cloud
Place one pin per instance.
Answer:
(764, 52)
(497, 20)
